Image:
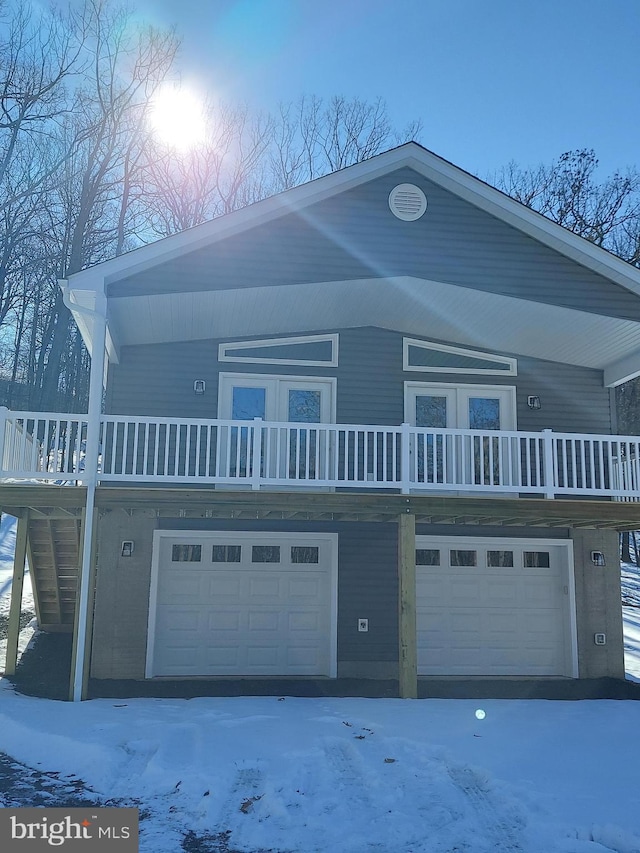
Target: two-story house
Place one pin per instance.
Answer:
(363, 429)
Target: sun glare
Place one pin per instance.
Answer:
(177, 118)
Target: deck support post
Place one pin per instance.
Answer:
(407, 635)
(13, 631)
(84, 599)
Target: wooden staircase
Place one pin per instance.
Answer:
(54, 556)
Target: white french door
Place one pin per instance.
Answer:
(298, 453)
(460, 406)
(460, 459)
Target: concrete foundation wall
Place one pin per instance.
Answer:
(598, 604)
(122, 595)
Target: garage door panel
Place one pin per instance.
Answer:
(223, 586)
(488, 619)
(503, 591)
(262, 620)
(308, 588)
(223, 658)
(303, 659)
(304, 621)
(541, 591)
(179, 619)
(243, 617)
(179, 586)
(465, 591)
(263, 656)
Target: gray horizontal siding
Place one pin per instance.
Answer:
(157, 380)
(354, 235)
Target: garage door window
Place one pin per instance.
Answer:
(265, 554)
(186, 553)
(226, 554)
(497, 559)
(304, 554)
(536, 560)
(463, 558)
(428, 557)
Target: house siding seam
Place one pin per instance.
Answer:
(157, 380)
(354, 235)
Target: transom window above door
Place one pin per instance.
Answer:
(427, 356)
(290, 399)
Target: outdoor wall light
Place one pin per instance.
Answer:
(199, 386)
(127, 549)
(597, 558)
(534, 402)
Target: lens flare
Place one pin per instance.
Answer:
(177, 118)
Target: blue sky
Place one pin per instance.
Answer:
(491, 80)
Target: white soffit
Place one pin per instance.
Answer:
(427, 309)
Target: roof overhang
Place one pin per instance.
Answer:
(418, 307)
(413, 306)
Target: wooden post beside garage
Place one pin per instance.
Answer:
(13, 630)
(407, 640)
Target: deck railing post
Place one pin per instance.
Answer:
(405, 458)
(4, 412)
(549, 471)
(256, 454)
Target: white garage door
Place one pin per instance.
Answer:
(242, 604)
(493, 607)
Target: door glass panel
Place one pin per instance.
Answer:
(484, 413)
(431, 411)
(304, 406)
(248, 403)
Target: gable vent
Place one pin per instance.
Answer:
(407, 202)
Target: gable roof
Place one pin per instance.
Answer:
(84, 285)
(411, 155)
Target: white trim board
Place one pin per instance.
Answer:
(512, 364)
(279, 342)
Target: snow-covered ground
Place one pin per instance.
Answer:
(631, 615)
(352, 775)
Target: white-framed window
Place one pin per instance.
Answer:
(446, 406)
(429, 357)
(307, 350)
(290, 399)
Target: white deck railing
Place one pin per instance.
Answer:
(255, 454)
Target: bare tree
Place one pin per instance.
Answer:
(314, 137)
(605, 211)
